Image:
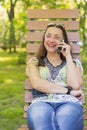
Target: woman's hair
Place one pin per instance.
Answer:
(42, 52)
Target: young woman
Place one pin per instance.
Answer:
(56, 81)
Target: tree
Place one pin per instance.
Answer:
(82, 6)
(10, 7)
(11, 16)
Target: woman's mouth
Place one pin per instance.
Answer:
(51, 46)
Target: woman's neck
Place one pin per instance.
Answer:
(54, 59)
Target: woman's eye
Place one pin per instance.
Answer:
(56, 37)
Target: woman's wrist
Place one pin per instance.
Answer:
(69, 89)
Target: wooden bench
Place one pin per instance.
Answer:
(38, 20)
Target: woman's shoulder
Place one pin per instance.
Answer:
(32, 60)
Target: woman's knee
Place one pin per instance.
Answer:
(72, 109)
(39, 114)
(39, 110)
(34, 114)
(68, 114)
(35, 111)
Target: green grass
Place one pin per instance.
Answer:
(12, 77)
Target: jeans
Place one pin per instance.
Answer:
(55, 116)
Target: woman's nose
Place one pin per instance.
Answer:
(51, 39)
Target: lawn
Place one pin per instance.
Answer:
(12, 77)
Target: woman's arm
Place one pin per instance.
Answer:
(74, 79)
(40, 84)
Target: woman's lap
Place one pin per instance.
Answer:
(55, 116)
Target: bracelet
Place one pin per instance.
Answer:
(69, 89)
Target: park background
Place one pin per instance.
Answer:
(13, 21)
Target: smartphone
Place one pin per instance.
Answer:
(60, 48)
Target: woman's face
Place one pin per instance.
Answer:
(53, 37)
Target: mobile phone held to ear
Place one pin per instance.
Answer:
(60, 48)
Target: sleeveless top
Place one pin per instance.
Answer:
(57, 75)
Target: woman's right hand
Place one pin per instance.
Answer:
(78, 94)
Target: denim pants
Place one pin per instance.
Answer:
(55, 116)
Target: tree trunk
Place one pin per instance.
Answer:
(12, 40)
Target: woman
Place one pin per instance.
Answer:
(56, 81)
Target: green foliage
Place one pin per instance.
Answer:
(21, 58)
(82, 6)
(84, 59)
(20, 17)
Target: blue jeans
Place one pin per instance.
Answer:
(55, 116)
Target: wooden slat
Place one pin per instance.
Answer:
(28, 97)
(41, 25)
(37, 36)
(85, 128)
(85, 117)
(23, 127)
(27, 85)
(33, 48)
(53, 13)
(75, 48)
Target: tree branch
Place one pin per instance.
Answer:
(15, 2)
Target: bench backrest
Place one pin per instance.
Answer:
(38, 20)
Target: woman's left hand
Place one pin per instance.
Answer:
(78, 94)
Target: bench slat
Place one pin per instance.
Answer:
(53, 13)
(41, 25)
(23, 127)
(37, 36)
(33, 48)
(28, 97)
(27, 85)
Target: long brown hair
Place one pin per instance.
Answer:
(42, 52)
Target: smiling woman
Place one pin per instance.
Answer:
(55, 94)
